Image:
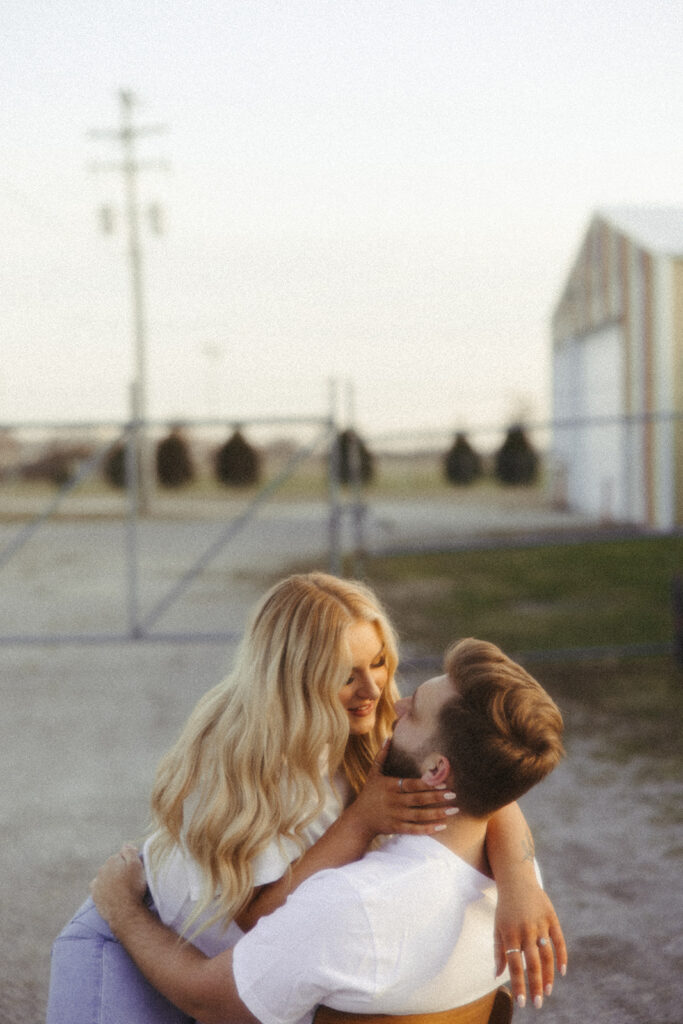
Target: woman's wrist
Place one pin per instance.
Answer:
(517, 876)
(354, 819)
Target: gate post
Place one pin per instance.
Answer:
(132, 524)
(333, 475)
(356, 481)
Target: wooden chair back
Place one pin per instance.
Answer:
(503, 1005)
(494, 1008)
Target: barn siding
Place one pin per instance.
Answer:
(618, 352)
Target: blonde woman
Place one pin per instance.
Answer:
(276, 775)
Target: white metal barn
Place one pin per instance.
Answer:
(618, 371)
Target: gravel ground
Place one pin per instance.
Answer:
(83, 727)
(610, 842)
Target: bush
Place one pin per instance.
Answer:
(237, 463)
(346, 440)
(114, 466)
(173, 460)
(462, 465)
(516, 462)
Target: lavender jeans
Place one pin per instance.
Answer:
(94, 981)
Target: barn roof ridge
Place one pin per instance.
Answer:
(653, 227)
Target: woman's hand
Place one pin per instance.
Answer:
(527, 930)
(386, 805)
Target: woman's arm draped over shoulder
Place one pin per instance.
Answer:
(379, 809)
(525, 913)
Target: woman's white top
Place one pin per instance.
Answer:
(177, 885)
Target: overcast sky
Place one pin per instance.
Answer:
(389, 192)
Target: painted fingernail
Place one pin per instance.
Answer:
(521, 1001)
(563, 969)
(439, 828)
(549, 990)
(538, 1002)
(442, 786)
(452, 810)
(449, 796)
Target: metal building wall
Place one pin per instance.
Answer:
(677, 373)
(597, 378)
(618, 377)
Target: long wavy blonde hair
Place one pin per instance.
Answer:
(269, 730)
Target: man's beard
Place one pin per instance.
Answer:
(399, 764)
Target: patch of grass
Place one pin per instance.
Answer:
(565, 595)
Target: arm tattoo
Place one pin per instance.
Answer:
(528, 847)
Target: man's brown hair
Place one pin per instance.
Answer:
(501, 731)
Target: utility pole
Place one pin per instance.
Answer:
(127, 135)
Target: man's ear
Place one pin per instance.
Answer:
(435, 770)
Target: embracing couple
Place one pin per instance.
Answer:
(269, 855)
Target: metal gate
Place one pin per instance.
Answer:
(142, 625)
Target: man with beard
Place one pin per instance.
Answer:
(409, 927)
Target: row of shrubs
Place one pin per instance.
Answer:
(516, 462)
(237, 463)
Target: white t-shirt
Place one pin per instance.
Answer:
(177, 886)
(407, 929)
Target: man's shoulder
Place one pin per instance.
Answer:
(402, 864)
